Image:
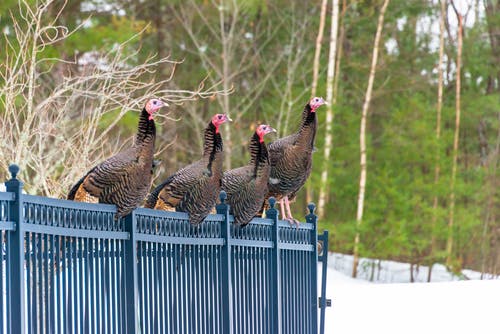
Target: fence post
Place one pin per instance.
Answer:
(15, 274)
(312, 219)
(226, 277)
(324, 267)
(272, 213)
(131, 279)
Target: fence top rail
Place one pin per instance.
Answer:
(6, 196)
(173, 215)
(302, 226)
(156, 222)
(261, 221)
(67, 204)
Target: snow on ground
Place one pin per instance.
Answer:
(395, 272)
(456, 307)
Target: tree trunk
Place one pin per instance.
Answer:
(488, 240)
(226, 39)
(492, 10)
(162, 40)
(438, 135)
(329, 111)
(449, 242)
(317, 52)
(412, 268)
(362, 137)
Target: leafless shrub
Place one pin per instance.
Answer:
(52, 109)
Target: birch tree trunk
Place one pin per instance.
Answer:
(438, 133)
(449, 243)
(362, 137)
(329, 112)
(317, 52)
(314, 85)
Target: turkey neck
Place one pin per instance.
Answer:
(258, 154)
(307, 130)
(146, 133)
(212, 145)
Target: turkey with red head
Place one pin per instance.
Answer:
(246, 186)
(194, 189)
(125, 178)
(291, 160)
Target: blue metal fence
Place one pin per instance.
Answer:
(152, 272)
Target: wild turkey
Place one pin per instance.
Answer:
(194, 189)
(123, 179)
(291, 160)
(246, 186)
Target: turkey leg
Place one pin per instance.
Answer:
(282, 206)
(290, 218)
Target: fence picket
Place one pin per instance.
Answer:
(276, 292)
(131, 279)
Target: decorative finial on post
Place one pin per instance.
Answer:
(311, 206)
(272, 202)
(14, 170)
(14, 185)
(311, 217)
(272, 213)
(223, 207)
(223, 197)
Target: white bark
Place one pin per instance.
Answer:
(317, 53)
(451, 222)
(329, 111)
(362, 136)
(439, 107)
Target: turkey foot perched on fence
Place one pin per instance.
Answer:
(125, 178)
(285, 205)
(194, 188)
(291, 160)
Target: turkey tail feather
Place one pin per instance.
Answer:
(80, 194)
(74, 190)
(152, 197)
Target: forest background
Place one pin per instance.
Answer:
(71, 72)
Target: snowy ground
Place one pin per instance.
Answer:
(455, 307)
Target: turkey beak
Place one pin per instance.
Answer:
(228, 118)
(272, 130)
